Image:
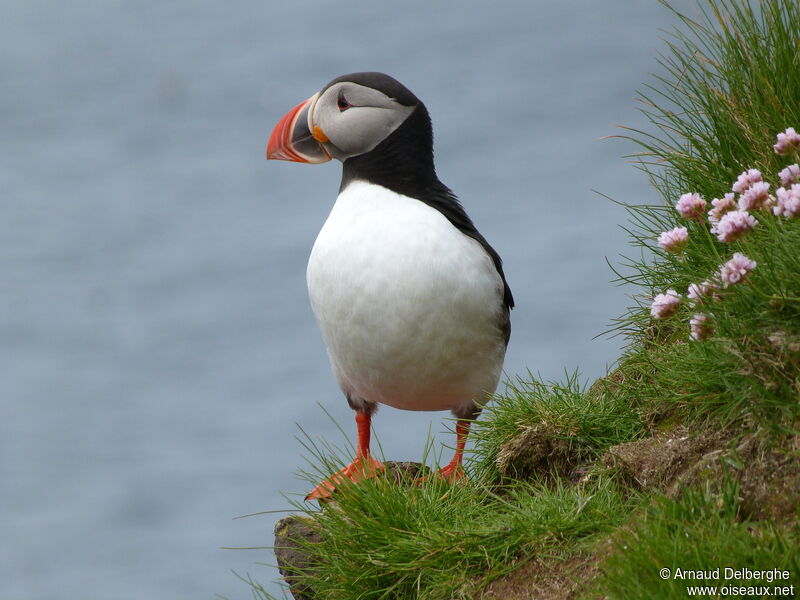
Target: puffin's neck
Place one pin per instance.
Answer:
(403, 162)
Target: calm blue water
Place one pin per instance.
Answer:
(157, 344)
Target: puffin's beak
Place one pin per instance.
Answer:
(293, 140)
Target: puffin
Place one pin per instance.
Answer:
(411, 299)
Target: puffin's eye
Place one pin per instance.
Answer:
(342, 102)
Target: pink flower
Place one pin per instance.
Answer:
(665, 305)
(756, 197)
(734, 225)
(788, 141)
(788, 202)
(698, 291)
(721, 206)
(736, 269)
(691, 206)
(701, 327)
(674, 240)
(789, 175)
(746, 179)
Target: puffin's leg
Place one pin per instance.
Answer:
(363, 465)
(453, 470)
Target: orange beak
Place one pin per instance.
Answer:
(293, 140)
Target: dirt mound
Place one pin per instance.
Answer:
(538, 450)
(768, 474)
(544, 578)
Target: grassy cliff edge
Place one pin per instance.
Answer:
(682, 462)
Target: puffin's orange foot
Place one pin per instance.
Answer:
(450, 472)
(361, 468)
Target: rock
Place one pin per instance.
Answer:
(290, 535)
(406, 471)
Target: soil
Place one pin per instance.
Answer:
(550, 578)
(537, 450)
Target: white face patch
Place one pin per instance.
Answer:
(356, 118)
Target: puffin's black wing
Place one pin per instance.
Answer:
(448, 204)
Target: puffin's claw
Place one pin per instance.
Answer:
(361, 468)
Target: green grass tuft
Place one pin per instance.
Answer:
(585, 424)
(384, 540)
(700, 531)
(731, 83)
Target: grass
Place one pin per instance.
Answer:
(730, 80)
(442, 541)
(700, 530)
(439, 542)
(445, 542)
(582, 425)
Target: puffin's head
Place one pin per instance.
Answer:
(350, 116)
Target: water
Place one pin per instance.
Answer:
(158, 347)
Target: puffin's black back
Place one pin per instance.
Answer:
(403, 163)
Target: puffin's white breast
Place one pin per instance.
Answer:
(410, 308)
